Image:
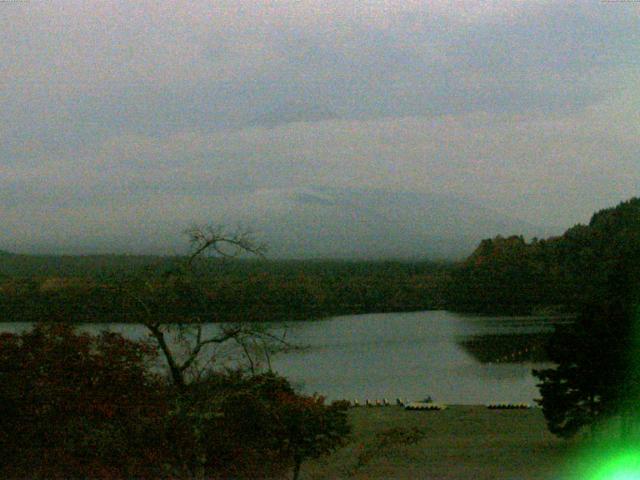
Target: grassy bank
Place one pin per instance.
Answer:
(461, 442)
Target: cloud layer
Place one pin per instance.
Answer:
(125, 120)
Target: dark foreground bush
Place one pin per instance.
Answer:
(76, 406)
(79, 406)
(240, 426)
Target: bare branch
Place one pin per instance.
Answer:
(218, 240)
(176, 372)
(195, 351)
(184, 357)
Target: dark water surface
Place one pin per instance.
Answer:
(412, 355)
(452, 358)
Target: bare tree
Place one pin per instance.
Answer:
(185, 361)
(218, 241)
(186, 344)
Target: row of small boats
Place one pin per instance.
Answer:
(429, 405)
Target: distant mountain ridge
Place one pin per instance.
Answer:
(296, 223)
(322, 222)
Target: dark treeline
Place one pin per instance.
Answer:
(511, 275)
(90, 288)
(502, 276)
(596, 376)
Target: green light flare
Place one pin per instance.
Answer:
(607, 464)
(621, 466)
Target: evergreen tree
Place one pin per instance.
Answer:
(598, 372)
(593, 377)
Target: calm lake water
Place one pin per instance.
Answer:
(389, 355)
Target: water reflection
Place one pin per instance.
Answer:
(506, 348)
(507, 339)
(450, 357)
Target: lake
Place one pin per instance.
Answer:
(454, 358)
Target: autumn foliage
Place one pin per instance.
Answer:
(73, 405)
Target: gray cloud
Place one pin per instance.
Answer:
(184, 107)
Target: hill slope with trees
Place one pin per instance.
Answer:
(511, 275)
(597, 375)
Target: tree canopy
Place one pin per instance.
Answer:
(73, 405)
(598, 372)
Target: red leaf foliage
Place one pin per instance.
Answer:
(74, 405)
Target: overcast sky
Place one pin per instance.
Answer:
(155, 112)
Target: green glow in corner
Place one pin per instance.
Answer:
(619, 466)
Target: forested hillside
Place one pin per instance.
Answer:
(510, 275)
(95, 288)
